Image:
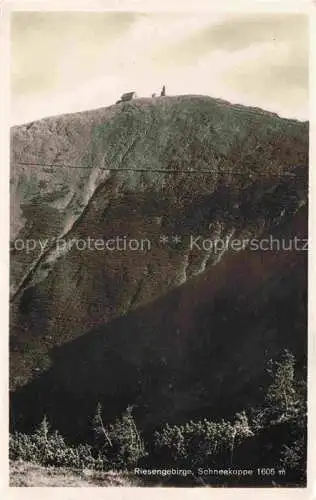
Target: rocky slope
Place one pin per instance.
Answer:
(175, 328)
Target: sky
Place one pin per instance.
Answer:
(65, 62)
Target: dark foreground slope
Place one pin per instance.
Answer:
(175, 330)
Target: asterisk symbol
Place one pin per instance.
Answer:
(176, 239)
(164, 239)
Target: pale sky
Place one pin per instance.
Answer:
(71, 61)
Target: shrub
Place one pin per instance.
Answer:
(123, 446)
(285, 399)
(285, 405)
(127, 446)
(197, 443)
(49, 448)
(281, 396)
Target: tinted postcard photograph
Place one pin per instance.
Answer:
(159, 166)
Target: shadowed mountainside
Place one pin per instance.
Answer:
(175, 330)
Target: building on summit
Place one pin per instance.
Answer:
(127, 96)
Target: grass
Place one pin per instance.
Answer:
(23, 474)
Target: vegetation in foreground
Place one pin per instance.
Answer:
(23, 474)
(196, 444)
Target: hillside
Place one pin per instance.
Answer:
(177, 331)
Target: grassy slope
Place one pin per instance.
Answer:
(23, 474)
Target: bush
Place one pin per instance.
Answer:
(285, 404)
(49, 448)
(202, 442)
(282, 398)
(124, 446)
(285, 399)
